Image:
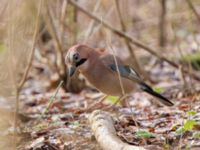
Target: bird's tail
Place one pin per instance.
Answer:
(149, 90)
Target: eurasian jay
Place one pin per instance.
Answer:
(100, 69)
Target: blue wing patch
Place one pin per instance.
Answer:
(124, 71)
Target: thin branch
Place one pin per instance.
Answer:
(132, 40)
(181, 54)
(163, 23)
(119, 77)
(24, 77)
(60, 55)
(32, 49)
(193, 9)
(91, 24)
(10, 69)
(74, 24)
(52, 98)
(128, 45)
(62, 21)
(98, 26)
(116, 63)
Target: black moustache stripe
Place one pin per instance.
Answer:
(81, 62)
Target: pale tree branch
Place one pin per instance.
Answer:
(104, 131)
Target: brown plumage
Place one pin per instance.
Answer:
(100, 70)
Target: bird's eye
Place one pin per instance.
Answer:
(76, 57)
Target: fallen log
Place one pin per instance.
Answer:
(102, 126)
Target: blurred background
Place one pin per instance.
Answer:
(160, 38)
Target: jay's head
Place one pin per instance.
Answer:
(77, 58)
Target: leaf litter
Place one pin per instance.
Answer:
(65, 125)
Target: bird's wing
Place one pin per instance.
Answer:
(130, 73)
(124, 70)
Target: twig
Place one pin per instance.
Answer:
(24, 77)
(52, 98)
(116, 63)
(98, 27)
(72, 23)
(132, 40)
(190, 61)
(60, 57)
(163, 23)
(193, 9)
(123, 96)
(11, 74)
(128, 45)
(118, 73)
(32, 49)
(181, 54)
(62, 20)
(91, 24)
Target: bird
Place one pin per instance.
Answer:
(102, 70)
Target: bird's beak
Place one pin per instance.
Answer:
(72, 70)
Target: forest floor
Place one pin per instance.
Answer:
(52, 119)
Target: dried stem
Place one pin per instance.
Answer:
(72, 24)
(32, 50)
(98, 27)
(91, 24)
(60, 55)
(163, 23)
(119, 76)
(52, 98)
(193, 9)
(181, 54)
(128, 45)
(132, 40)
(118, 73)
(62, 21)
(24, 77)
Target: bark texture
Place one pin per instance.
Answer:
(102, 126)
